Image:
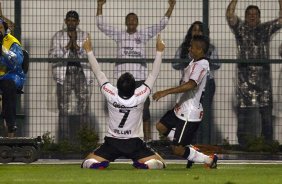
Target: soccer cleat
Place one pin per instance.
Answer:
(213, 164)
(139, 165)
(101, 165)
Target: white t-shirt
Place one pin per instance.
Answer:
(131, 46)
(190, 108)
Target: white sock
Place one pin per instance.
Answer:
(87, 163)
(154, 164)
(196, 156)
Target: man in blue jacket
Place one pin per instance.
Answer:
(12, 76)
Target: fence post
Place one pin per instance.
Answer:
(204, 133)
(18, 14)
(17, 33)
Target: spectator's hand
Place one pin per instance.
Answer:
(72, 35)
(101, 2)
(87, 44)
(171, 2)
(73, 41)
(158, 95)
(160, 46)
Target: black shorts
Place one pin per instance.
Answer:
(185, 131)
(133, 148)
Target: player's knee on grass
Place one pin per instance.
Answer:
(94, 164)
(150, 164)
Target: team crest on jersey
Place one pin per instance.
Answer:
(137, 40)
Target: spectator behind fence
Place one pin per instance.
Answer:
(187, 114)
(12, 77)
(125, 105)
(11, 25)
(254, 89)
(71, 77)
(197, 28)
(131, 44)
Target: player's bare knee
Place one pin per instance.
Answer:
(161, 128)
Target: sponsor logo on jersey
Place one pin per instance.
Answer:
(108, 90)
(117, 105)
(122, 132)
(137, 40)
(142, 92)
(128, 48)
(132, 53)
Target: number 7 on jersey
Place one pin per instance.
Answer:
(124, 118)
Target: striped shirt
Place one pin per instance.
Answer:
(131, 46)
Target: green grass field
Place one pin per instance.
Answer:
(125, 173)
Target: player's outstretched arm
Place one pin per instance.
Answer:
(100, 4)
(160, 46)
(280, 11)
(191, 84)
(170, 8)
(101, 77)
(230, 13)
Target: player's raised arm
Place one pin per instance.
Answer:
(280, 11)
(171, 7)
(101, 77)
(100, 4)
(160, 46)
(230, 13)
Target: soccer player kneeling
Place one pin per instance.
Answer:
(125, 105)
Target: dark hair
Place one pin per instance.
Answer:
(187, 41)
(5, 24)
(252, 7)
(205, 42)
(130, 15)
(126, 85)
(72, 14)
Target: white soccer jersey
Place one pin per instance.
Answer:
(125, 115)
(189, 106)
(131, 46)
